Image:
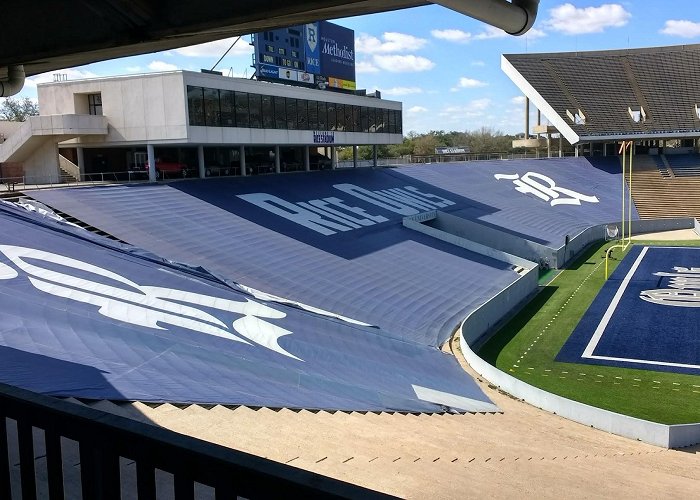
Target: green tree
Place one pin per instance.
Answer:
(18, 110)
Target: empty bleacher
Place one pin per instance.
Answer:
(686, 165)
(659, 197)
(662, 164)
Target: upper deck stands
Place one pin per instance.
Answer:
(606, 85)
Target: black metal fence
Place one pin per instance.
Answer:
(103, 438)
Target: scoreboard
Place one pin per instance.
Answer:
(320, 55)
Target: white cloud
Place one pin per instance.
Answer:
(572, 20)
(402, 91)
(133, 69)
(403, 64)
(417, 109)
(162, 66)
(491, 32)
(392, 43)
(478, 63)
(534, 33)
(473, 109)
(216, 49)
(365, 67)
(452, 35)
(70, 74)
(519, 99)
(681, 28)
(468, 83)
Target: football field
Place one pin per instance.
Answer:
(646, 316)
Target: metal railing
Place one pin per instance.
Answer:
(103, 438)
(36, 182)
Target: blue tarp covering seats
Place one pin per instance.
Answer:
(331, 239)
(335, 239)
(518, 207)
(85, 317)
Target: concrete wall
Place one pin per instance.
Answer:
(152, 108)
(41, 166)
(255, 136)
(492, 237)
(8, 128)
(447, 228)
(576, 244)
(488, 315)
(141, 109)
(34, 144)
(667, 436)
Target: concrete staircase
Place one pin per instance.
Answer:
(69, 171)
(523, 450)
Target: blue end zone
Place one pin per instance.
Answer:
(646, 316)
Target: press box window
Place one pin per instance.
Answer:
(95, 104)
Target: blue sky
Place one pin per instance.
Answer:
(444, 66)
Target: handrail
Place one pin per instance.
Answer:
(103, 438)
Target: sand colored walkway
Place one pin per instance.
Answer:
(522, 452)
(677, 235)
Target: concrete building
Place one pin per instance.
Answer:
(183, 123)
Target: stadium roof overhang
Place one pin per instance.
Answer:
(659, 84)
(539, 101)
(45, 35)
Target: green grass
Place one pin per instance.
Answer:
(539, 331)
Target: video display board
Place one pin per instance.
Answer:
(320, 55)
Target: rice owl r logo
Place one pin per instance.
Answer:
(312, 36)
(546, 189)
(147, 306)
(683, 288)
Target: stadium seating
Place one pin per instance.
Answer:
(658, 197)
(662, 165)
(686, 165)
(606, 85)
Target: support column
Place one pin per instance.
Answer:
(81, 162)
(334, 158)
(277, 160)
(242, 160)
(374, 156)
(200, 161)
(150, 151)
(561, 150)
(576, 151)
(354, 157)
(527, 117)
(549, 145)
(307, 162)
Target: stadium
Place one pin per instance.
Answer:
(273, 322)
